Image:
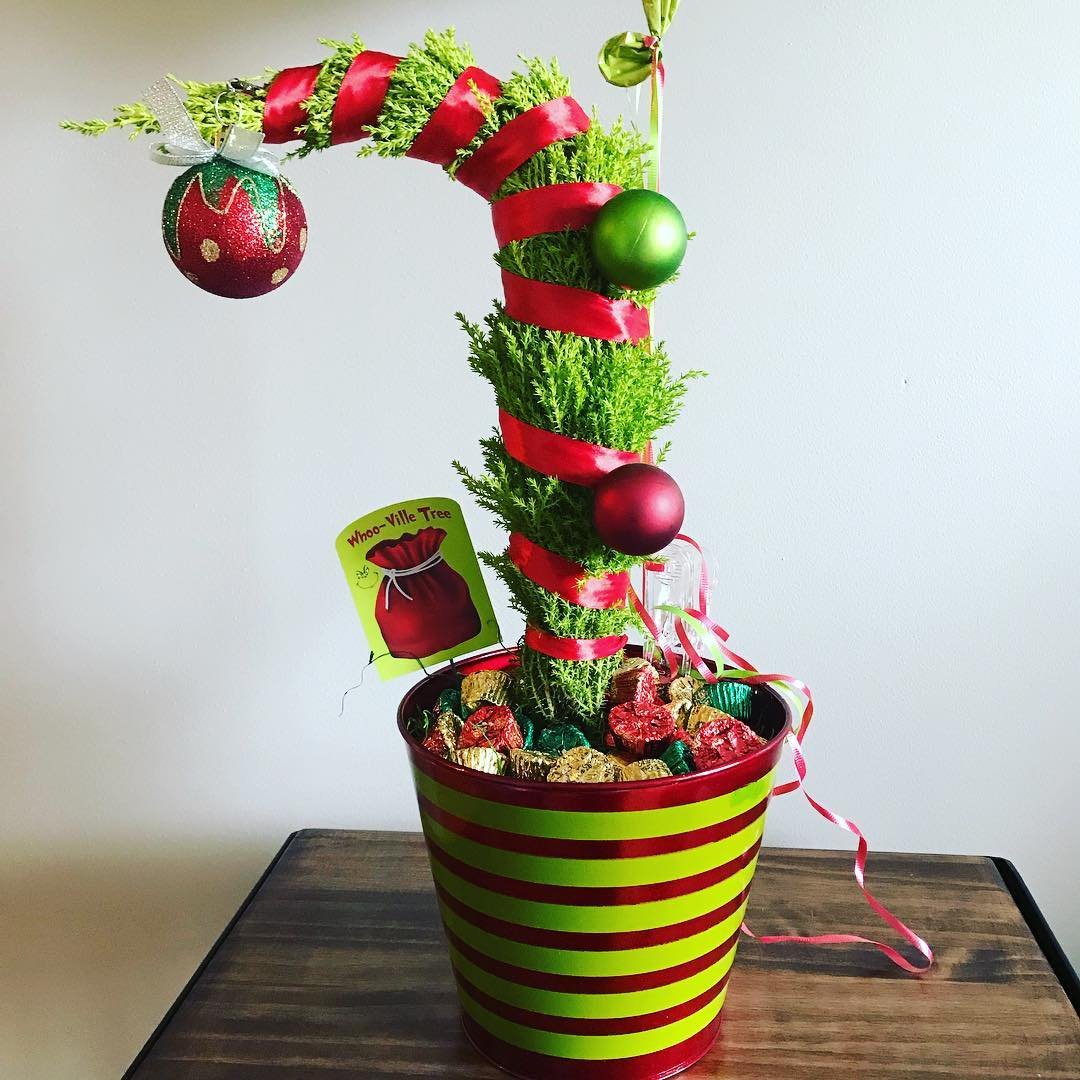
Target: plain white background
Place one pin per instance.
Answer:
(885, 459)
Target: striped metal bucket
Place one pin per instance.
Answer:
(592, 927)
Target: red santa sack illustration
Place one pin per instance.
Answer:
(423, 605)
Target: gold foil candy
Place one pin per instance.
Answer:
(485, 687)
(481, 758)
(646, 769)
(583, 765)
(635, 681)
(680, 689)
(680, 710)
(702, 714)
(530, 764)
(449, 727)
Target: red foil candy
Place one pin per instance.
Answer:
(494, 726)
(722, 741)
(436, 743)
(640, 728)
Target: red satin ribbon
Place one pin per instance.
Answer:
(283, 111)
(361, 96)
(573, 311)
(566, 578)
(571, 460)
(549, 209)
(573, 648)
(515, 142)
(456, 120)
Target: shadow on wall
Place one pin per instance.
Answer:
(90, 940)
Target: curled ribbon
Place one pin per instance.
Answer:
(715, 638)
(184, 146)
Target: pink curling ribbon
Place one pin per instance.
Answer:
(745, 672)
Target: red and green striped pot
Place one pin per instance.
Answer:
(592, 927)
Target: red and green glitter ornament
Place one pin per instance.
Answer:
(233, 231)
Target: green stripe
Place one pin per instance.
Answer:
(593, 1047)
(597, 1006)
(595, 825)
(601, 873)
(592, 962)
(594, 919)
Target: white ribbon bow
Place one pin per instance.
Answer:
(392, 575)
(184, 146)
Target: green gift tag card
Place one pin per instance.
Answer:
(417, 586)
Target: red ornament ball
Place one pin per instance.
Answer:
(638, 509)
(233, 231)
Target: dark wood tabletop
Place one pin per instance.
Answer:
(335, 967)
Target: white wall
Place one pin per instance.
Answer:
(884, 286)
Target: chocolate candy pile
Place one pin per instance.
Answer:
(654, 729)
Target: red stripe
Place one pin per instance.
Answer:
(573, 461)
(573, 311)
(549, 209)
(564, 648)
(576, 941)
(663, 1063)
(566, 578)
(456, 120)
(575, 1025)
(594, 895)
(592, 984)
(284, 111)
(624, 795)
(361, 96)
(555, 848)
(516, 141)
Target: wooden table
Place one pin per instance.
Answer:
(335, 968)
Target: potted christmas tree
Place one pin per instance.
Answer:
(593, 819)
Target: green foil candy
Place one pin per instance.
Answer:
(557, 740)
(732, 697)
(677, 758)
(449, 701)
(528, 730)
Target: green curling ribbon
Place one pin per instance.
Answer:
(658, 14)
(625, 59)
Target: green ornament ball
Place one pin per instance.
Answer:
(638, 239)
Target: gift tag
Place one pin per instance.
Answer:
(417, 586)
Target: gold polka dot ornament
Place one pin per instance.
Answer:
(234, 231)
(232, 224)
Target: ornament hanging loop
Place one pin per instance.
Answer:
(183, 145)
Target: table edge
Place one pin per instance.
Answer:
(1036, 922)
(1010, 878)
(174, 1008)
